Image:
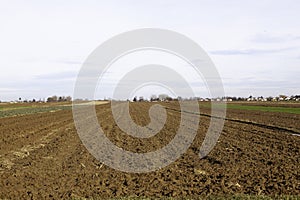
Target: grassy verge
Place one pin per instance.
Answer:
(259, 108)
(264, 108)
(30, 110)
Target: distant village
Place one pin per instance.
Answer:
(252, 98)
(48, 100)
(164, 97)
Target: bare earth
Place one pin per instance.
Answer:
(41, 156)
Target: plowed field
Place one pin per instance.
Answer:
(42, 157)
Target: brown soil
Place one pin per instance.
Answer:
(41, 156)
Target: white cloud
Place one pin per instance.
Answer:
(251, 51)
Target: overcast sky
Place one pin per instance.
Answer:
(255, 45)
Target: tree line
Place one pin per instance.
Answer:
(59, 98)
(164, 97)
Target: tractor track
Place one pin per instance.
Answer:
(272, 127)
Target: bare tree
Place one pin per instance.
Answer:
(52, 99)
(135, 99)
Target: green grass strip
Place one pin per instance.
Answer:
(31, 110)
(264, 108)
(258, 108)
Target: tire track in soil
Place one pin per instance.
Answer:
(286, 120)
(267, 146)
(272, 127)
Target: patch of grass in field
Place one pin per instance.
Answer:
(16, 111)
(16, 107)
(257, 108)
(264, 108)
